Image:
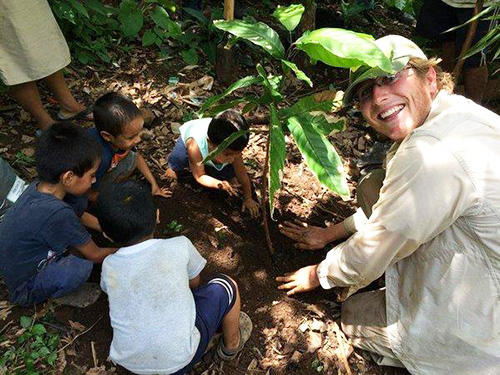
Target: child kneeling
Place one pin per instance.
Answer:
(199, 138)
(162, 319)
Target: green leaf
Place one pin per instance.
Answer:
(270, 86)
(277, 154)
(130, 17)
(256, 32)
(97, 7)
(224, 144)
(298, 73)
(343, 48)
(82, 56)
(325, 127)
(241, 83)
(160, 17)
(308, 104)
(319, 154)
(148, 38)
(190, 56)
(25, 321)
(289, 16)
(79, 7)
(222, 107)
(196, 14)
(170, 5)
(38, 329)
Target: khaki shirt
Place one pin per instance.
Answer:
(435, 232)
(466, 3)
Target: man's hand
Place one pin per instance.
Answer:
(307, 237)
(162, 192)
(228, 188)
(302, 280)
(252, 207)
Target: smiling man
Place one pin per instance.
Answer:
(434, 231)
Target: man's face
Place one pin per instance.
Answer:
(396, 107)
(130, 135)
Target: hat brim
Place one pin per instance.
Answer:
(364, 74)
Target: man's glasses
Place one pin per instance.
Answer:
(365, 92)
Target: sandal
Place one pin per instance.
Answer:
(245, 332)
(86, 114)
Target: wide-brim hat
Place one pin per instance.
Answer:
(397, 48)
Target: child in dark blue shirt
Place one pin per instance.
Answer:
(39, 228)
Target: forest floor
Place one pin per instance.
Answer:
(297, 335)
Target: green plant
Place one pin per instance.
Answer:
(173, 226)
(304, 120)
(22, 159)
(492, 38)
(34, 345)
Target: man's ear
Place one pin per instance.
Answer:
(107, 137)
(432, 81)
(67, 177)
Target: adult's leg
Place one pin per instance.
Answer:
(11, 187)
(368, 190)
(57, 84)
(28, 96)
(364, 321)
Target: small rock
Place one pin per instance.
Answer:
(296, 356)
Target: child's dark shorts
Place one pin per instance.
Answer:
(436, 17)
(213, 301)
(178, 161)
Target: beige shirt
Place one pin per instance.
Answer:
(435, 232)
(31, 44)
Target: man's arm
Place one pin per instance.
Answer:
(310, 237)
(95, 253)
(142, 166)
(194, 282)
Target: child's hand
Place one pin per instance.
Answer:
(252, 207)
(162, 192)
(228, 188)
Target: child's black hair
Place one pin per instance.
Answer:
(225, 124)
(112, 111)
(126, 212)
(65, 147)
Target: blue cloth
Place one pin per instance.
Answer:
(36, 231)
(79, 204)
(60, 277)
(213, 301)
(178, 161)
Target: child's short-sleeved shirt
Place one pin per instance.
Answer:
(37, 229)
(109, 159)
(198, 129)
(151, 306)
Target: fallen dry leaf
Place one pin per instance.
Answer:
(76, 326)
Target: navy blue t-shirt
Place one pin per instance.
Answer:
(37, 229)
(79, 204)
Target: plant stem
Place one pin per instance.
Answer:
(264, 196)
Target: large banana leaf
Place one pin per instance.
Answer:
(277, 154)
(256, 32)
(243, 82)
(343, 48)
(225, 143)
(319, 154)
(289, 16)
(298, 73)
(308, 104)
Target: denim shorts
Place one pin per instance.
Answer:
(178, 161)
(213, 301)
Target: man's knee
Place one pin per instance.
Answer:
(368, 190)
